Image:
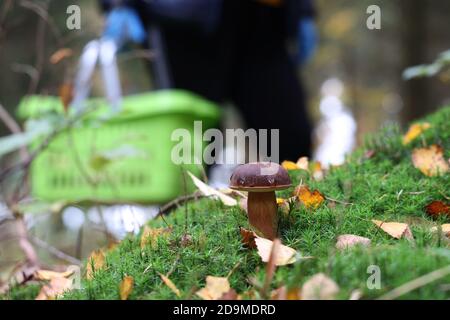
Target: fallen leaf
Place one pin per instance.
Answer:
(303, 163)
(445, 229)
(210, 191)
(151, 235)
(248, 238)
(414, 131)
(66, 95)
(95, 262)
(309, 199)
(60, 54)
(283, 293)
(317, 171)
(397, 230)
(319, 287)
(437, 208)
(284, 255)
(215, 288)
(430, 161)
(230, 295)
(47, 275)
(126, 287)
(54, 288)
(289, 165)
(170, 284)
(349, 240)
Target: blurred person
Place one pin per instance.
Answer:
(237, 51)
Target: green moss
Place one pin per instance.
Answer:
(384, 187)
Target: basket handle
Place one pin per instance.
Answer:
(103, 50)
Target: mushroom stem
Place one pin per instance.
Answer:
(262, 213)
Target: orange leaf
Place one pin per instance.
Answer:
(60, 54)
(54, 288)
(248, 238)
(289, 165)
(95, 262)
(215, 288)
(66, 95)
(126, 287)
(151, 235)
(414, 131)
(170, 284)
(396, 230)
(430, 161)
(437, 208)
(309, 199)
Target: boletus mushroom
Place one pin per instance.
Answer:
(261, 180)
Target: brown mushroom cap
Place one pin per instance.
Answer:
(260, 176)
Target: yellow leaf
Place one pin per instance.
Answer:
(284, 254)
(210, 191)
(289, 165)
(349, 240)
(317, 171)
(309, 199)
(319, 287)
(48, 275)
(396, 230)
(54, 288)
(150, 236)
(414, 131)
(430, 161)
(303, 163)
(126, 287)
(170, 284)
(95, 262)
(215, 288)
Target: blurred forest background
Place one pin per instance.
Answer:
(368, 62)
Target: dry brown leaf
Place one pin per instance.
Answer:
(430, 161)
(349, 240)
(289, 165)
(248, 238)
(414, 131)
(284, 255)
(60, 54)
(309, 199)
(396, 230)
(437, 208)
(54, 288)
(95, 262)
(215, 288)
(303, 163)
(66, 95)
(230, 295)
(126, 287)
(319, 287)
(48, 275)
(151, 235)
(210, 191)
(170, 284)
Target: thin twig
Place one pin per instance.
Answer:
(54, 251)
(339, 201)
(179, 201)
(416, 283)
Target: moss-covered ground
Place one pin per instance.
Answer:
(384, 186)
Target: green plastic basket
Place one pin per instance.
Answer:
(145, 124)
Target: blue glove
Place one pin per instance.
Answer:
(307, 39)
(123, 24)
